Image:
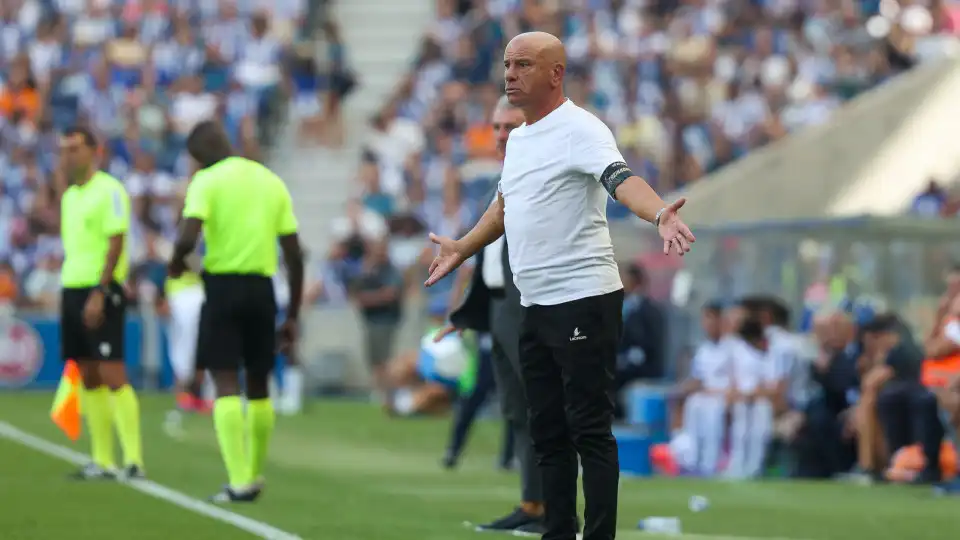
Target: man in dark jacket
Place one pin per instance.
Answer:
(492, 303)
(907, 411)
(825, 447)
(641, 347)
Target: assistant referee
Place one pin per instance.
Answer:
(559, 169)
(242, 209)
(94, 222)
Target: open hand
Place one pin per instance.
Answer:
(675, 233)
(447, 260)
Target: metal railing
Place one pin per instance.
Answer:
(895, 263)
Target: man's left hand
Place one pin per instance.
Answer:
(675, 233)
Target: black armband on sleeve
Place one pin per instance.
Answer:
(614, 175)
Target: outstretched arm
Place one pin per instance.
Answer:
(453, 253)
(485, 232)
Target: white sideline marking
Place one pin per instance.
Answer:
(252, 526)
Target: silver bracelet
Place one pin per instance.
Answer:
(656, 219)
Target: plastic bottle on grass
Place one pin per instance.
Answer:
(660, 525)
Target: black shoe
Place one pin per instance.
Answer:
(229, 495)
(134, 472)
(449, 462)
(510, 522)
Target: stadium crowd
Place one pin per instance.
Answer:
(687, 87)
(141, 74)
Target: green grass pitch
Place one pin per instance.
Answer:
(343, 471)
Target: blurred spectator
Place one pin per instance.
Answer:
(641, 355)
(42, 288)
(20, 98)
(305, 75)
(931, 203)
(141, 73)
(377, 291)
(9, 291)
(687, 87)
(906, 411)
(699, 407)
(341, 80)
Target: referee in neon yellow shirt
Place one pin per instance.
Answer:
(242, 209)
(95, 218)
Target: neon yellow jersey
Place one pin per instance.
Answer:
(244, 208)
(187, 280)
(91, 214)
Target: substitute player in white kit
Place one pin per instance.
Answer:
(184, 298)
(758, 390)
(705, 408)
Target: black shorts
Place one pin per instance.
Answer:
(80, 343)
(237, 324)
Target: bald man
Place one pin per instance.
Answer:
(560, 167)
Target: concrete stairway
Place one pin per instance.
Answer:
(382, 38)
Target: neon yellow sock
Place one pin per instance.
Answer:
(229, 422)
(260, 421)
(96, 409)
(126, 411)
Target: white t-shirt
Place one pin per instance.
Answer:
(712, 367)
(492, 269)
(785, 355)
(751, 367)
(556, 209)
(189, 110)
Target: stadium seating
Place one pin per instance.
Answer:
(687, 88)
(140, 73)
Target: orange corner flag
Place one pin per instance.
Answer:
(65, 412)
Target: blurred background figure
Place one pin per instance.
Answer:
(377, 291)
(700, 402)
(641, 355)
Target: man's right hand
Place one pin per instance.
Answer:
(448, 260)
(446, 331)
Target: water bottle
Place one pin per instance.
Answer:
(660, 525)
